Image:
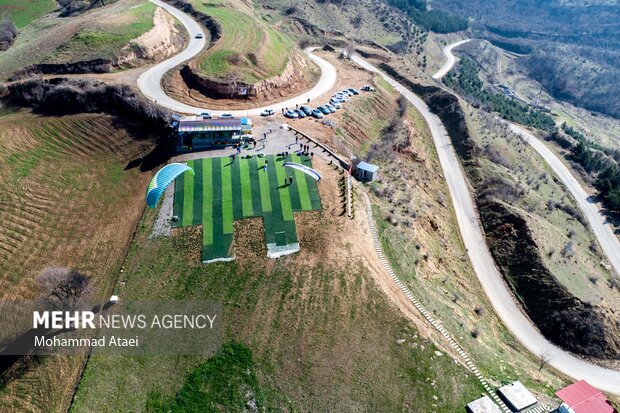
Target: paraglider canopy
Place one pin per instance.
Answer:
(162, 179)
(305, 169)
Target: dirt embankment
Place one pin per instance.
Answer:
(296, 77)
(446, 106)
(563, 318)
(162, 41)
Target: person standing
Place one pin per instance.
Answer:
(265, 166)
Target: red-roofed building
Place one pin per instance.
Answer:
(580, 397)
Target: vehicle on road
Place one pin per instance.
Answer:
(199, 36)
(331, 108)
(226, 116)
(317, 114)
(206, 115)
(291, 114)
(300, 113)
(306, 110)
(324, 110)
(267, 112)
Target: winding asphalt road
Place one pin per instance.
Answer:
(149, 82)
(447, 51)
(494, 286)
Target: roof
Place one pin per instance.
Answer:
(483, 405)
(583, 398)
(199, 124)
(517, 396)
(367, 166)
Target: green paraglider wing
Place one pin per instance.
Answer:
(162, 179)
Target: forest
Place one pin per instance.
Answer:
(432, 20)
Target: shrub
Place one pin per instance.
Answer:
(8, 31)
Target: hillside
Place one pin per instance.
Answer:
(67, 201)
(117, 36)
(572, 48)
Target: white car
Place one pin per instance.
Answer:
(335, 103)
(199, 36)
(267, 112)
(226, 116)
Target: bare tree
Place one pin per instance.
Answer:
(544, 358)
(64, 287)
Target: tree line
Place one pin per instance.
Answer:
(432, 20)
(469, 85)
(593, 159)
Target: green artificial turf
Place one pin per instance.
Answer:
(223, 190)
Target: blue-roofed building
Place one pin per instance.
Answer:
(366, 171)
(199, 133)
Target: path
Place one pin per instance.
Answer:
(447, 51)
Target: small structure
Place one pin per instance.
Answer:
(483, 405)
(114, 299)
(516, 396)
(199, 133)
(366, 171)
(580, 397)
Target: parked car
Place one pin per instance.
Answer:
(324, 110)
(317, 114)
(199, 36)
(341, 96)
(368, 88)
(291, 114)
(267, 112)
(306, 110)
(300, 113)
(226, 116)
(331, 108)
(335, 103)
(206, 115)
(354, 91)
(346, 92)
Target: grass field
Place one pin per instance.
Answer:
(23, 12)
(222, 191)
(248, 49)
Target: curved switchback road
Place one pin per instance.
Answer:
(447, 51)
(497, 291)
(149, 82)
(494, 286)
